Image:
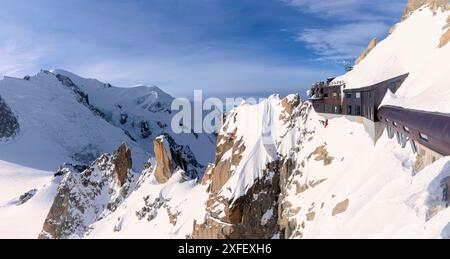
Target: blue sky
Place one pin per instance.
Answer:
(225, 47)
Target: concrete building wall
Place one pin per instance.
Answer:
(374, 129)
(425, 157)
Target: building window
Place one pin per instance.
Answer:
(424, 137)
(334, 95)
(358, 95)
(358, 110)
(336, 109)
(349, 110)
(349, 95)
(414, 146)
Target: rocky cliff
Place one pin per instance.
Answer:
(445, 38)
(85, 195)
(279, 172)
(435, 5)
(324, 181)
(9, 124)
(256, 211)
(370, 47)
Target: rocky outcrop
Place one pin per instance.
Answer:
(181, 157)
(164, 167)
(321, 154)
(171, 157)
(24, 198)
(446, 184)
(445, 38)
(258, 213)
(85, 197)
(341, 207)
(145, 129)
(252, 216)
(9, 125)
(392, 29)
(122, 163)
(222, 169)
(435, 5)
(81, 96)
(370, 47)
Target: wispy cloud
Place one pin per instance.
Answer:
(178, 45)
(350, 25)
(247, 46)
(336, 8)
(18, 55)
(350, 10)
(341, 42)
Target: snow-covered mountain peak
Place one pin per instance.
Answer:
(66, 118)
(279, 170)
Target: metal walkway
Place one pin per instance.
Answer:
(430, 129)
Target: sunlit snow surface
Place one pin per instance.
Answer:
(412, 48)
(386, 199)
(24, 220)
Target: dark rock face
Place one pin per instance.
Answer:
(86, 197)
(258, 209)
(252, 216)
(9, 125)
(446, 184)
(159, 107)
(27, 196)
(261, 213)
(59, 221)
(175, 157)
(145, 129)
(81, 96)
(123, 118)
(123, 163)
(164, 167)
(184, 158)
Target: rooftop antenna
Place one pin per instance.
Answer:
(347, 65)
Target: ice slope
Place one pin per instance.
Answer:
(258, 127)
(24, 220)
(412, 48)
(142, 104)
(54, 127)
(386, 198)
